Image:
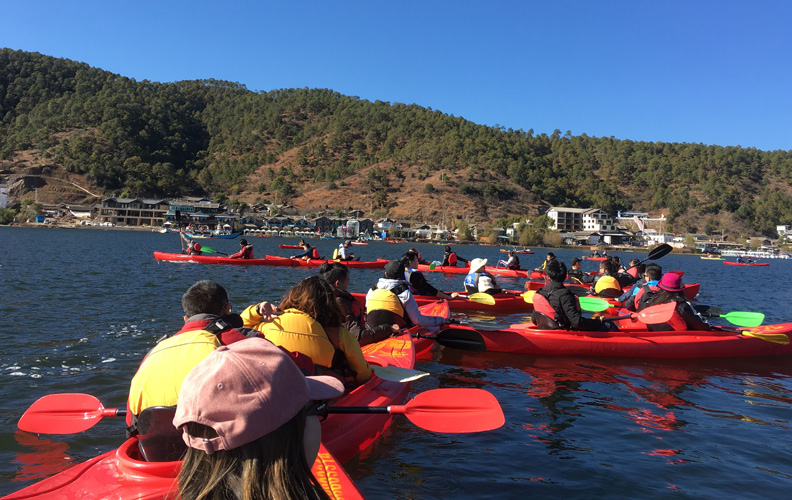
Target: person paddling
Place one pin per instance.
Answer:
(309, 252)
(193, 247)
(451, 258)
(245, 251)
(556, 308)
(250, 420)
(418, 283)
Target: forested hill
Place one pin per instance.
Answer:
(316, 148)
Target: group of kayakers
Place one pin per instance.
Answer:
(195, 248)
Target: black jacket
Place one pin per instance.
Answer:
(568, 314)
(354, 323)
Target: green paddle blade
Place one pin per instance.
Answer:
(744, 318)
(207, 249)
(593, 304)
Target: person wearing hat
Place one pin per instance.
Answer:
(390, 302)
(245, 251)
(576, 274)
(480, 281)
(685, 317)
(556, 308)
(249, 418)
(451, 258)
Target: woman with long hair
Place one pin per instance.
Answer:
(311, 323)
(246, 416)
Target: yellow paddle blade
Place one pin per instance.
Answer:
(528, 296)
(482, 298)
(776, 338)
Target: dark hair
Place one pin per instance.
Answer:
(634, 262)
(204, 297)
(551, 254)
(653, 272)
(447, 249)
(333, 271)
(243, 241)
(314, 296)
(608, 266)
(556, 270)
(408, 257)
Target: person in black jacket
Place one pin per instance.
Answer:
(337, 275)
(555, 307)
(417, 281)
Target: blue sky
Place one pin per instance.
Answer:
(709, 71)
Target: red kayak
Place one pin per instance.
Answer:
(298, 247)
(760, 264)
(211, 259)
(352, 264)
(599, 259)
(716, 343)
(512, 301)
(495, 271)
(122, 474)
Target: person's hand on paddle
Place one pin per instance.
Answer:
(454, 295)
(266, 310)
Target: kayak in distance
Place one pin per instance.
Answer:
(207, 236)
(352, 264)
(759, 264)
(211, 259)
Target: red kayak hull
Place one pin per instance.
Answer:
(495, 271)
(504, 302)
(352, 264)
(526, 339)
(121, 474)
(759, 264)
(599, 259)
(297, 247)
(208, 259)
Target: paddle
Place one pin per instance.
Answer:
(438, 410)
(739, 318)
(482, 298)
(653, 315)
(443, 410)
(178, 221)
(211, 250)
(656, 253)
(776, 338)
(397, 373)
(593, 304)
(458, 337)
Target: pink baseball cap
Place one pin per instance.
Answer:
(671, 282)
(244, 391)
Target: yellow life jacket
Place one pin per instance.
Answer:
(384, 299)
(299, 332)
(161, 373)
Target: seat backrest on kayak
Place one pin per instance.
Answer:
(158, 439)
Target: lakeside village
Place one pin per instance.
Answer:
(589, 227)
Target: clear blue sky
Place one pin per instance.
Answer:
(700, 71)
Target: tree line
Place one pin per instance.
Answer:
(208, 137)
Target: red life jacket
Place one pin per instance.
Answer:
(544, 316)
(644, 288)
(452, 259)
(315, 253)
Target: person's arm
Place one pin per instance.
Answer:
(304, 254)
(414, 313)
(257, 315)
(354, 355)
(692, 318)
(576, 319)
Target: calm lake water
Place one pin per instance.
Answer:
(80, 308)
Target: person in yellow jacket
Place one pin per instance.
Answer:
(311, 324)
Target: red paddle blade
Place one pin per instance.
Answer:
(655, 315)
(63, 414)
(453, 410)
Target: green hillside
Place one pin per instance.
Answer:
(215, 138)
